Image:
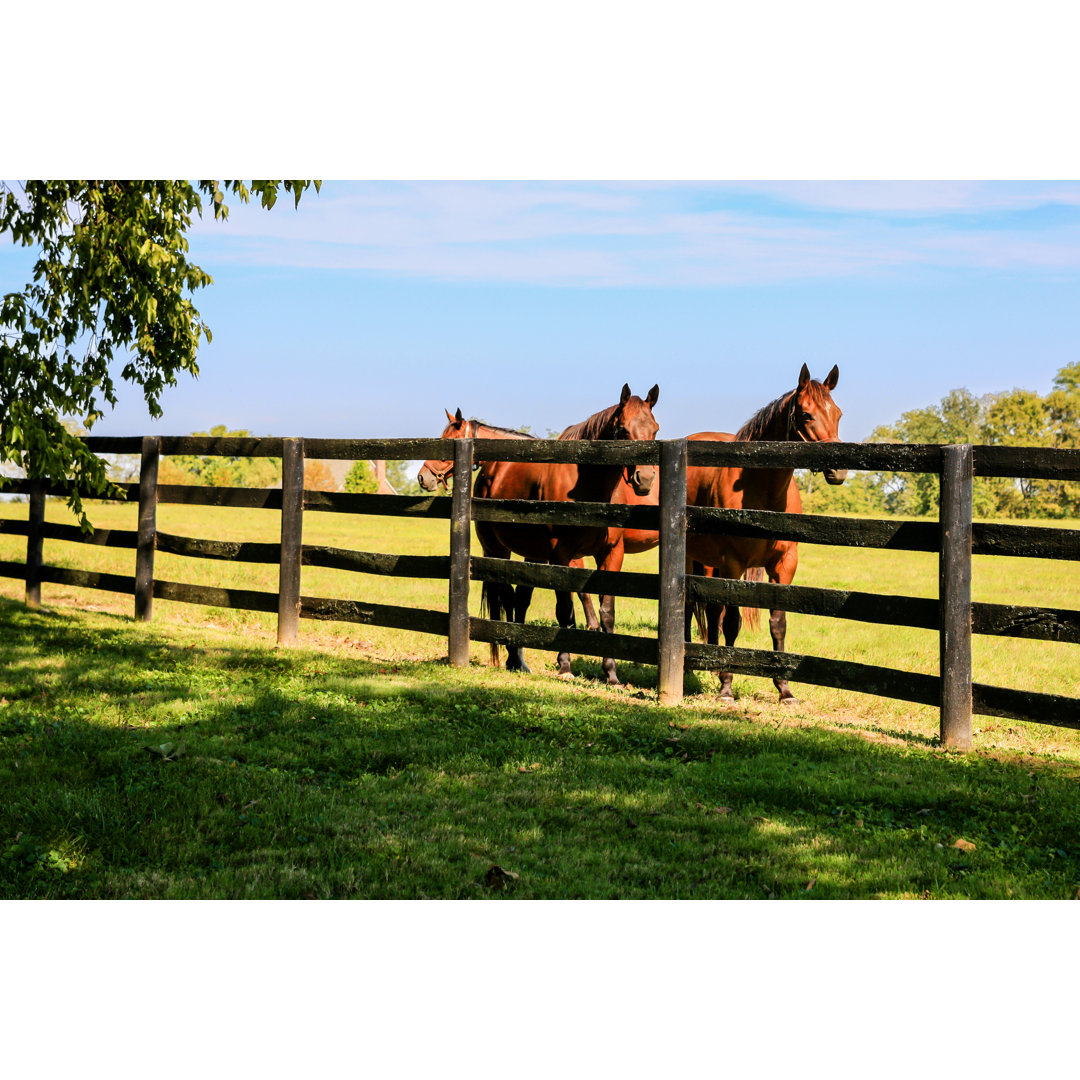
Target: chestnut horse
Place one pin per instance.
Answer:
(434, 473)
(807, 413)
(561, 545)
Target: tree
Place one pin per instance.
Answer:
(201, 470)
(111, 283)
(361, 479)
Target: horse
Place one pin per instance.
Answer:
(807, 413)
(631, 418)
(435, 473)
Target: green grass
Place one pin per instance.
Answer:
(190, 758)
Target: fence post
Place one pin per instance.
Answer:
(147, 536)
(954, 592)
(670, 628)
(460, 537)
(35, 539)
(292, 527)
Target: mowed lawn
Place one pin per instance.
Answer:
(191, 758)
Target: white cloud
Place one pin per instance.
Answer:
(650, 234)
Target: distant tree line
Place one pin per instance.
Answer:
(1013, 418)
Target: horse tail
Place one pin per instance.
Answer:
(489, 602)
(752, 615)
(699, 606)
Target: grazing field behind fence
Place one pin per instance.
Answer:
(949, 613)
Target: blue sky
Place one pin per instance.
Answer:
(376, 305)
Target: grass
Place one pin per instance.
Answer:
(189, 758)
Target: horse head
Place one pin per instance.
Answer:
(433, 473)
(813, 416)
(633, 419)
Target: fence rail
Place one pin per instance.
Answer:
(955, 538)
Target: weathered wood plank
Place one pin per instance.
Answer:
(376, 449)
(87, 579)
(810, 600)
(1043, 624)
(1032, 463)
(195, 548)
(114, 444)
(72, 534)
(193, 495)
(460, 538)
(600, 582)
(35, 536)
(553, 639)
(144, 545)
(375, 562)
(15, 570)
(816, 670)
(1035, 708)
(419, 620)
(211, 596)
(292, 526)
(816, 529)
(1025, 541)
(891, 457)
(537, 512)
(954, 591)
(436, 507)
(17, 528)
(230, 446)
(670, 631)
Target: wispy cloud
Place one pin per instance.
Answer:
(658, 234)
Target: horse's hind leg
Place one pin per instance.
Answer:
(587, 609)
(516, 604)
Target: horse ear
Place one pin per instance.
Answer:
(654, 393)
(457, 417)
(625, 394)
(832, 378)
(804, 376)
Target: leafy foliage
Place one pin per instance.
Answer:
(112, 284)
(256, 472)
(361, 479)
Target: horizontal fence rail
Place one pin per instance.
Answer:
(952, 690)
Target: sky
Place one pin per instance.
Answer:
(374, 306)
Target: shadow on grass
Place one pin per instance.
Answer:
(139, 764)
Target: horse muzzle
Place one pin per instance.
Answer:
(835, 476)
(643, 480)
(427, 479)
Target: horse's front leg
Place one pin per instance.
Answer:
(732, 623)
(781, 573)
(609, 560)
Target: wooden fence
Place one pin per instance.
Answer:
(955, 538)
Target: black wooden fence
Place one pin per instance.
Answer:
(955, 538)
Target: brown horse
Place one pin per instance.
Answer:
(434, 473)
(807, 413)
(631, 418)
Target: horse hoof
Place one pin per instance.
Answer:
(565, 675)
(727, 700)
(792, 700)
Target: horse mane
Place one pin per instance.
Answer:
(593, 427)
(513, 432)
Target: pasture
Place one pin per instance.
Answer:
(190, 758)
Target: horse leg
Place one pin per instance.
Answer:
(587, 609)
(732, 625)
(688, 621)
(612, 560)
(782, 573)
(517, 604)
(564, 616)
